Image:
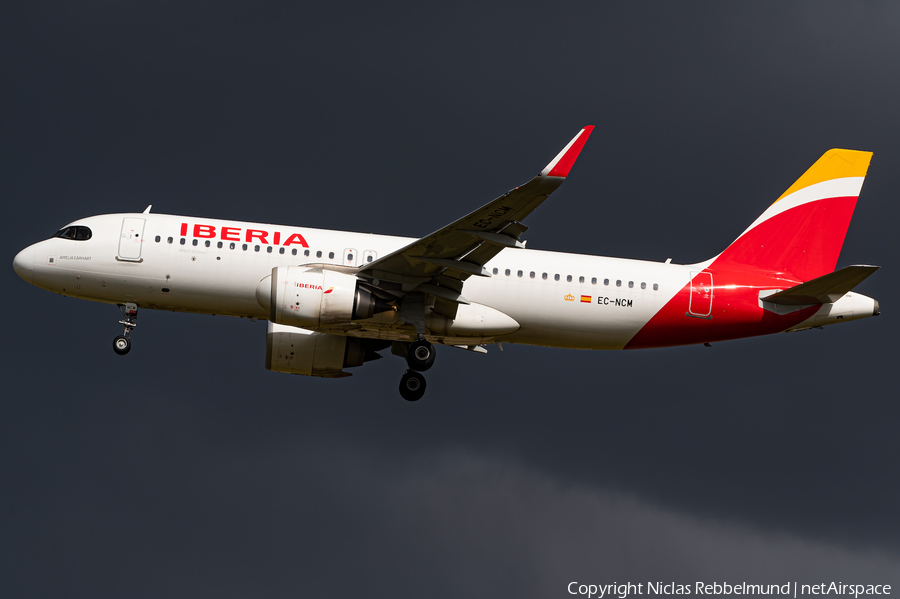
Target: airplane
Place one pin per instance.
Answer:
(334, 299)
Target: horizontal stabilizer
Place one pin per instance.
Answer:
(826, 289)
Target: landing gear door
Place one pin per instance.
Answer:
(131, 238)
(701, 295)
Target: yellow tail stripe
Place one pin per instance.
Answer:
(834, 164)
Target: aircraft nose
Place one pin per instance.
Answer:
(23, 264)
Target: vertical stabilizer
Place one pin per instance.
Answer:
(803, 231)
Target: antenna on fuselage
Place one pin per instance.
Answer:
(147, 209)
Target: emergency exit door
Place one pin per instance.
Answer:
(350, 257)
(131, 238)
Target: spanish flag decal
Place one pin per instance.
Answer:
(585, 299)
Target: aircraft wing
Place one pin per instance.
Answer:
(439, 263)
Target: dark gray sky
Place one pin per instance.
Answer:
(186, 469)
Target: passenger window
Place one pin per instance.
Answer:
(606, 281)
(643, 285)
(206, 243)
(280, 250)
(349, 257)
(306, 252)
(555, 277)
(520, 273)
(331, 255)
(268, 249)
(655, 287)
(194, 243)
(631, 284)
(581, 279)
(544, 276)
(368, 258)
(244, 246)
(157, 239)
(569, 278)
(294, 252)
(255, 248)
(182, 241)
(532, 274)
(496, 271)
(507, 272)
(231, 246)
(219, 245)
(169, 240)
(618, 283)
(319, 254)
(594, 281)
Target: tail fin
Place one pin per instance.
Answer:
(803, 231)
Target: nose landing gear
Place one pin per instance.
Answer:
(419, 357)
(122, 343)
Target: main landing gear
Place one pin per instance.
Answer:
(419, 357)
(122, 343)
(412, 386)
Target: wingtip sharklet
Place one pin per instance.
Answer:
(562, 164)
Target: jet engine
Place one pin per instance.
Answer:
(313, 297)
(299, 351)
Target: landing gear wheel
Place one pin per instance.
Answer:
(122, 345)
(412, 386)
(420, 356)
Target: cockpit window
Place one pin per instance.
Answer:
(76, 233)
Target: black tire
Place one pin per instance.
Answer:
(121, 345)
(420, 355)
(412, 386)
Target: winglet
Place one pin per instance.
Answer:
(563, 162)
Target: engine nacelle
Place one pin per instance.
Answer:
(313, 298)
(299, 351)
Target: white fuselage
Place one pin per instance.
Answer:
(558, 299)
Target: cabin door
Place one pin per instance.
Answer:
(701, 295)
(131, 238)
